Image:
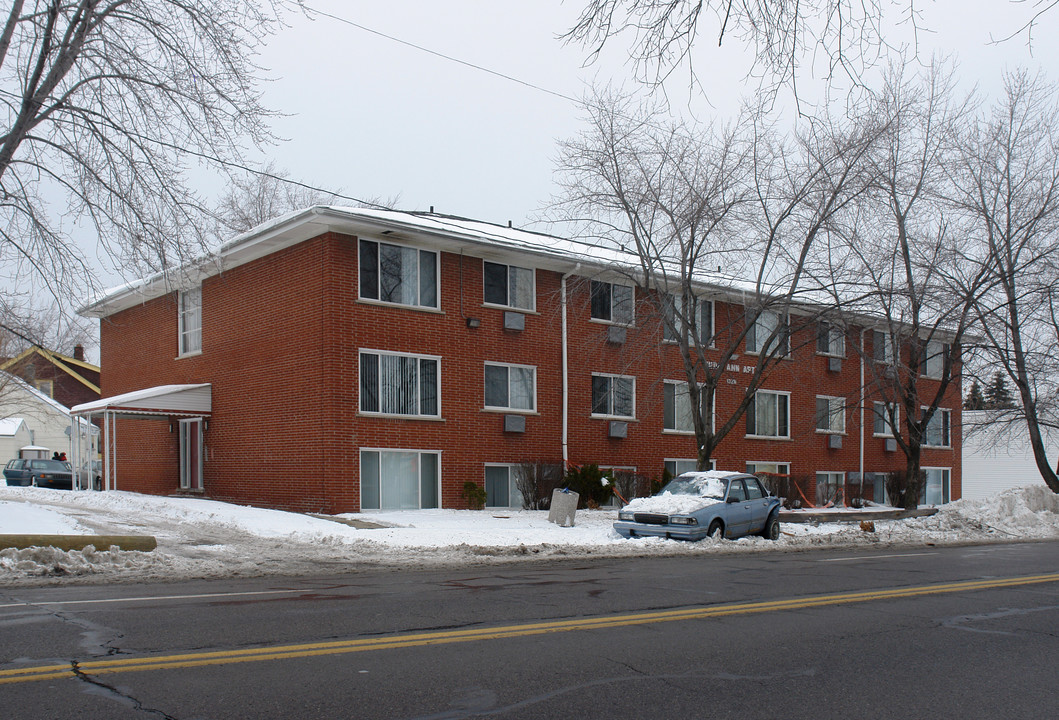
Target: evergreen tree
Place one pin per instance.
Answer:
(975, 399)
(997, 395)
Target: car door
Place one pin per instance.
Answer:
(759, 504)
(739, 509)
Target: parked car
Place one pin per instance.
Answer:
(16, 472)
(55, 474)
(703, 504)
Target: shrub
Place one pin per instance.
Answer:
(536, 481)
(587, 482)
(474, 494)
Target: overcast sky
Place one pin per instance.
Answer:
(379, 119)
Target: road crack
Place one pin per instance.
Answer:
(113, 692)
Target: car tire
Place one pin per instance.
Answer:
(716, 530)
(772, 528)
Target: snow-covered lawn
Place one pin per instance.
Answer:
(204, 538)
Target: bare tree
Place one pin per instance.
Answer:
(848, 33)
(904, 260)
(257, 197)
(681, 201)
(107, 104)
(1009, 184)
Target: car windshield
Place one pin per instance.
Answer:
(52, 465)
(713, 487)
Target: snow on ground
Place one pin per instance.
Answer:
(209, 539)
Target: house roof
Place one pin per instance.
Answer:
(9, 426)
(175, 400)
(69, 365)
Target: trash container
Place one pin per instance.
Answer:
(563, 507)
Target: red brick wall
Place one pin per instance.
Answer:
(280, 344)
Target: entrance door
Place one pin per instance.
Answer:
(191, 454)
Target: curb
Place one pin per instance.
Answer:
(812, 516)
(144, 543)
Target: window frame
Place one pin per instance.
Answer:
(437, 490)
(934, 352)
(666, 384)
(829, 334)
(831, 412)
(946, 487)
(610, 396)
(945, 417)
(752, 412)
(839, 497)
(418, 304)
(507, 366)
(752, 469)
(592, 294)
(509, 301)
(883, 339)
(189, 334)
(694, 464)
(884, 417)
(674, 310)
(783, 338)
(512, 486)
(418, 393)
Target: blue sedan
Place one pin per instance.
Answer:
(704, 504)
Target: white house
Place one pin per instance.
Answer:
(998, 457)
(28, 417)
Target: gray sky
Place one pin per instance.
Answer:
(380, 119)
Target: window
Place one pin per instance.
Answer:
(191, 321)
(398, 384)
(934, 363)
(936, 488)
(613, 396)
(938, 429)
(679, 467)
(697, 323)
(677, 409)
(887, 417)
(883, 347)
(501, 489)
(612, 303)
(769, 415)
(509, 286)
(400, 275)
(510, 387)
(830, 340)
(830, 488)
(46, 386)
(399, 479)
(768, 334)
(830, 414)
(768, 468)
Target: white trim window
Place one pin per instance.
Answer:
(698, 324)
(399, 479)
(501, 488)
(508, 286)
(882, 347)
(830, 489)
(400, 384)
(771, 468)
(676, 407)
(613, 396)
(679, 466)
(937, 487)
(830, 415)
(939, 430)
(769, 334)
(612, 303)
(510, 387)
(887, 418)
(769, 415)
(830, 340)
(934, 362)
(190, 320)
(398, 275)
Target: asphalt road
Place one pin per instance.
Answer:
(929, 632)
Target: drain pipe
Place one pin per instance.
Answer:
(862, 332)
(566, 378)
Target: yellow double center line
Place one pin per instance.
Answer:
(389, 642)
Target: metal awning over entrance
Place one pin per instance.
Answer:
(161, 402)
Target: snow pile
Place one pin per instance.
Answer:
(207, 539)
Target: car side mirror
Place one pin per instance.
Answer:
(732, 499)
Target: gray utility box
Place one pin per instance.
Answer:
(563, 508)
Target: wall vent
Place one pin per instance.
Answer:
(515, 423)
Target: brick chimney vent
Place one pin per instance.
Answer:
(79, 352)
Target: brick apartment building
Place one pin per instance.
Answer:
(341, 359)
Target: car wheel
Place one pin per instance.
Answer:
(716, 530)
(772, 528)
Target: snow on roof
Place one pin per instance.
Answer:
(159, 400)
(10, 425)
